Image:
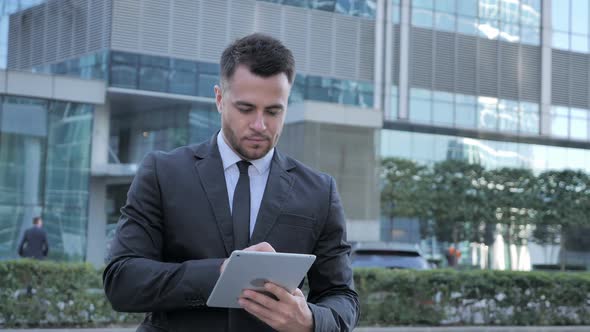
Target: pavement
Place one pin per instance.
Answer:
(377, 329)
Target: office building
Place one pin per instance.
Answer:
(497, 82)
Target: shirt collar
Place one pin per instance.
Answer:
(230, 158)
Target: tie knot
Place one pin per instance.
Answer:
(243, 166)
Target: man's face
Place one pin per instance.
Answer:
(252, 111)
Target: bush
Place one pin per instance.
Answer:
(445, 297)
(70, 294)
(40, 293)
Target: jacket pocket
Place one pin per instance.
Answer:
(297, 220)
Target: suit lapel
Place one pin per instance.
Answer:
(210, 170)
(277, 190)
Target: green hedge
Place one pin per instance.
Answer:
(61, 294)
(65, 294)
(445, 297)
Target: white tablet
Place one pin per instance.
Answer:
(251, 269)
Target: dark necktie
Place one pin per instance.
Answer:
(241, 208)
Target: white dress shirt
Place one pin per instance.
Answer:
(258, 173)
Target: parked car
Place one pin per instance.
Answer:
(388, 255)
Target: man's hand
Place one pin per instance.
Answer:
(262, 246)
(289, 313)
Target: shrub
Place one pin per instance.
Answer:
(41, 293)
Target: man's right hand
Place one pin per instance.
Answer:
(262, 246)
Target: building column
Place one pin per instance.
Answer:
(404, 59)
(378, 92)
(97, 217)
(388, 59)
(100, 135)
(546, 67)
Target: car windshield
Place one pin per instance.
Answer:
(389, 259)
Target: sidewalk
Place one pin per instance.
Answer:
(378, 329)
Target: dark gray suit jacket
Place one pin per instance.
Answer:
(34, 243)
(176, 230)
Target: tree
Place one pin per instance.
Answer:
(458, 201)
(564, 199)
(512, 197)
(404, 188)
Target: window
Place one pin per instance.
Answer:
(124, 68)
(153, 73)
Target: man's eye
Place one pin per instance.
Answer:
(244, 110)
(273, 111)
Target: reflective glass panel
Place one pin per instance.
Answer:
(508, 114)
(530, 11)
(428, 4)
(509, 10)
(561, 40)
(67, 179)
(560, 15)
(579, 16)
(420, 110)
(467, 7)
(579, 43)
(467, 25)
(319, 89)
(579, 124)
(489, 9)
(422, 18)
(445, 22)
(530, 35)
(489, 29)
(465, 116)
(559, 126)
(325, 5)
(488, 114)
(510, 33)
(447, 6)
(442, 113)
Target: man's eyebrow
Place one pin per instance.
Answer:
(247, 104)
(244, 103)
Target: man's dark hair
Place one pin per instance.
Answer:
(36, 220)
(265, 56)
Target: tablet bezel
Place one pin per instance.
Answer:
(244, 267)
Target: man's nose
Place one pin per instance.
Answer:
(258, 122)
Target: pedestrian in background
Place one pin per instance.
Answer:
(34, 242)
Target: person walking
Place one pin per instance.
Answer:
(34, 242)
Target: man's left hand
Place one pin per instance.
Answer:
(289, 313)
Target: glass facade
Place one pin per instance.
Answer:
(570, 25)
(90, 66)
(194, 78)
(431, 148)
(473, 112)
(514, 21)
(134, 134)
(359, 8)
(45, 170)
(569, 123)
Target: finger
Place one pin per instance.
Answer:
(257, 310)
(262, 246)
(260, 299)
(282, 294)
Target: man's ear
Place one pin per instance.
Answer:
(218, 98)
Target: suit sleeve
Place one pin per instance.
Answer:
(137, 279)
(332, 299)
(21, 246)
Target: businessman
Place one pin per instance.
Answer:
(34, 242)
(188, 209)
